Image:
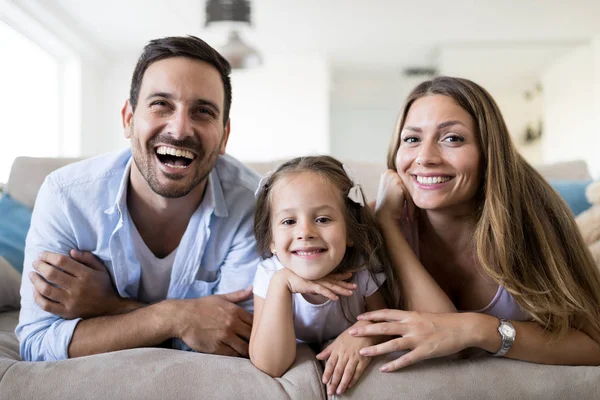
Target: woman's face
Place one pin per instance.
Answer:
(439, 155)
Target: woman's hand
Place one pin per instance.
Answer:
(392, 197)
(329, 286)
(425, 335)
(345, 365)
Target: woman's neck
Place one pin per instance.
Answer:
(451, 233)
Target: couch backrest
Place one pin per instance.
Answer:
(28, 173)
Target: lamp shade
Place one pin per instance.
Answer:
(239, 54)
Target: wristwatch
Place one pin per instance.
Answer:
(508, 333)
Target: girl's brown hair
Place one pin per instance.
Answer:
(368, 249)
(526, 238)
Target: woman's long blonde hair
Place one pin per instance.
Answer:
(526, 238)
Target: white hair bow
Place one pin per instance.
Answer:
(261, 184)
(356, 193)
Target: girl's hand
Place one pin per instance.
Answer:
(426, 335)
(392, 197)
(344, 364)
(329, 286)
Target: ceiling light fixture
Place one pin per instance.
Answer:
(235, 12)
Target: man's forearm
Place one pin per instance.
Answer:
(146, 326)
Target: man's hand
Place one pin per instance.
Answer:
(215, 324)
(77, 287)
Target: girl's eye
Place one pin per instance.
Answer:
(323, 220)
(454, 139)
(288, 222)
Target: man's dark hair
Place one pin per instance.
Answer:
(181, 46)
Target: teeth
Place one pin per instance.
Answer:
(164, 150)
(176, 166)
(432, 180)
(307, 253)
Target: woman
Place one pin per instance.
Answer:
(471, 226)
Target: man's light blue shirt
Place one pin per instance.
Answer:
(84, 206)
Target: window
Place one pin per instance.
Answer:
(30, 106)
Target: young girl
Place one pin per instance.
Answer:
(315, 232)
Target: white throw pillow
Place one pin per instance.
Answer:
(10, 283)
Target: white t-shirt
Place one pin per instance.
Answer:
(155, 273)
(318, 323)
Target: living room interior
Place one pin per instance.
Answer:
(326, 77)
(332, 73)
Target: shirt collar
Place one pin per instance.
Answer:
(120, 203)
(214, 194)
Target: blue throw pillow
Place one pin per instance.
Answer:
(573, 192)
(15, 219)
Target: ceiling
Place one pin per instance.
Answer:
(375, 34)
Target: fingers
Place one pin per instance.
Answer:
(52, 274)
(329, 367)
(225, 350)
(46, 289)
(88, 259)
(48, 305)
(322, 290)
(238, 344)
(238, 296)
(243, 329)
(336, 288)
(385, 315)
(390, 346)
(360, 368)
(346, 376)
(408, 359)
(324, 355)
(383, 328)
(246, 316)
(61, 261)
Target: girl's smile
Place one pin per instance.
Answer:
(309, 230)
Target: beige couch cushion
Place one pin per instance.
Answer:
(27, 175)
(489, 378)
(149, 374)
(10, 281)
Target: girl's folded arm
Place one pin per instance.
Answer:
(273, 339)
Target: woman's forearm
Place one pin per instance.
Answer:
(534, 344)
(273, 343)
(418, 288)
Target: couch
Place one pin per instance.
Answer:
(158, 373)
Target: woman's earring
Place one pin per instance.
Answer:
(274, 252)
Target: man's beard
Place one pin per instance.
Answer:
(145, 164)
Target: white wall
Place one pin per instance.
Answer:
(279, 110)
(571, 110)
(364, 107)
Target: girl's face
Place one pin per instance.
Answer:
(308, 226)
(439, 156)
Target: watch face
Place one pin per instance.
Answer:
(508, 330)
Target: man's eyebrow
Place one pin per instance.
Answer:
(198, 102)
(160, 94)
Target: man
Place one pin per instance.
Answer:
(168, 221)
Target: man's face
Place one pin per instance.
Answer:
(177, 128)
